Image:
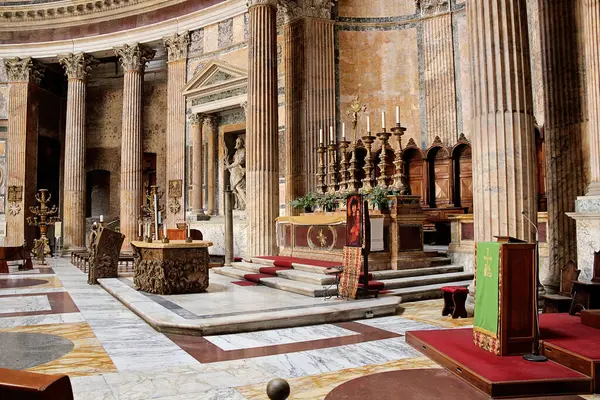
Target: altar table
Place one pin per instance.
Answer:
(171, 268)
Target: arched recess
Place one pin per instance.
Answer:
(414, 169)
(98, 193)
(463, 175)
(439, 176)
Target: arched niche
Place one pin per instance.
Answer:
(414, 169)
(98, 193)
(463, 175)
(439, 189)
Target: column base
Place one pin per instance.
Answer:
(587, 217)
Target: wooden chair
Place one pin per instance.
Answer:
(561, 302)
(23, 385)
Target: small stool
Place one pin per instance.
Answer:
(454, 301)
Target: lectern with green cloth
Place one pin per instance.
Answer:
(504, 290)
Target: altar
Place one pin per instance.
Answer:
(171, 268)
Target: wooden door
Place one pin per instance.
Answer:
(440, 178)
(464, 176)
(414, 171)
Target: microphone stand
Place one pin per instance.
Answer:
(535, 356)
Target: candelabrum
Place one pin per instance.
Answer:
(353, 181)
(321, 185)
(332, 148)
(383, 178)
(368, 181)
(43, 216)
(151, 210)
(344, 163)
(400, 182)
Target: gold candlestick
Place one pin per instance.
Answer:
(344, 163)
(332, 167)
(383, 178)
(321, 185)
(368, 181)
(400, 182)
(353, 182)
(43, 216)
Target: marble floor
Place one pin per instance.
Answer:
(113, 354)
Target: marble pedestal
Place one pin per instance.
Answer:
(214, 230)
(587, 217)
(171, 268)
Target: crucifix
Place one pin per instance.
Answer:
(354, 111)
(487, 272)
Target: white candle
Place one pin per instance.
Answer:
(331, 135)
(164, 231)
(383, 120)
(140, 229)
(188, 230)
(343, 131)
(159, 218)
(398, 115)
(320, 136)
(101, 218)
(368, 124)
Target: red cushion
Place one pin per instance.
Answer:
(374, 285)
(238, 259)
(256, 277)
(282, 264)
(271, 270)
(454, 289)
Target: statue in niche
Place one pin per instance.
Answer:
(237, 173)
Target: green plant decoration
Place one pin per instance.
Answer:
(306, 203)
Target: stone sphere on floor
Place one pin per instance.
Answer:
(278, 389)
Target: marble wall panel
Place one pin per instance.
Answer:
(211, 38)
(239, 28)
(377, 8)
(225, 33)
(382, 67)
(3, 101)
(3, 77)
(196, 43)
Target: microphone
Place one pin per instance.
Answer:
(534, 226)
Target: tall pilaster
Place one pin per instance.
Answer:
(209, 129)
(502, 122)
(309, 89)
(262, 164)
(177, 49)
(591, 19)
(197, 164)
(133, 59)
(563, 130)
(24, 77)
(77, 67)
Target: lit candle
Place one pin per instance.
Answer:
(331, 135)
(159, 218)
(320, 136)
(398, 115)
(383, 120)
(164, 231)
(140, 229)
(368, 124)
(188, 230)
(101, 218)
(343, 131)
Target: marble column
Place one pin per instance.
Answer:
(439, 79)
(502, 123)
(262, 163)
(177, 49)
(24, 77)
(309, 89)
(133, 59)
(209, 130)
(77, 67)
(197, 164)
(564, 128)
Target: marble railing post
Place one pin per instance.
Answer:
(591, 20)
(24, 77)
(177, 49)
(561, 55)
(262, 164)
(197, 164)
(209, 129)
(133, 59)
(77, 67)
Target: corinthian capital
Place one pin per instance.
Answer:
(134, 57)
(177, 46)
(195, 119)
(294, 9)
(252, 3)
(77, 66)
(24, 70)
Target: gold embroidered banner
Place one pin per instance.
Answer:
(351, 274)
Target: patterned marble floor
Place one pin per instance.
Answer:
(117, 356)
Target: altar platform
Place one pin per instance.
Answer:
(228, 307)
(573, 350)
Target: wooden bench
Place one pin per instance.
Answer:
(22, 385)
(20, 253)
(561, 302)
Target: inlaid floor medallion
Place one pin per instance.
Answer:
(26, 350)
(16, 283)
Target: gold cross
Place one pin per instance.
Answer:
(354, 111)
(487, 271)
(322, 238)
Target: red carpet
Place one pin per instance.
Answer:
(245, 283)
(256, 277)
(457, 344)
(271, 270)
(567, 332)
(284, 261)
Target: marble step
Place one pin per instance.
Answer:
(405, 273)
(292, 274)
(425, 292)
(252, 268)
(231, 272)
(306, 289)
(415, 281)
(438, 261)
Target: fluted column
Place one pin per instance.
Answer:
(439, 79)
(197, 163)
(24, 77)
(309, 89)
(262, 131)
(77, 67)
(563, 130)
(209, 129)
(502, 122)
(177, 48)
(133, 59)
(591, 19)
